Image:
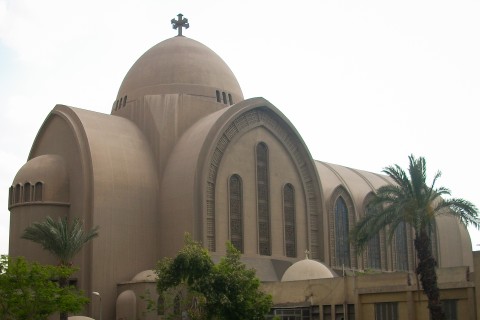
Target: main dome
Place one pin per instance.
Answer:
(179, 65)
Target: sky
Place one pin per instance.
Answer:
(366, 83)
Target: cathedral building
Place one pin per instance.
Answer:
(184, 151)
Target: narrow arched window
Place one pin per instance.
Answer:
(218, 96)
(125, 101)
(342, 245)
(373, 248)
(10, 196)
(224, 96)
(230, 100)
(38, 191)
(17, 193)
(401, 249)
(289, 220)
(263, 204)
(27, 192)
(236, 211)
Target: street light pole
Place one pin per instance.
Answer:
(100, 297)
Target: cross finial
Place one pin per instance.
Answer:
(307, 252)
(180, 23)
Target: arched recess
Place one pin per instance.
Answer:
(341, 221)
(233, 123)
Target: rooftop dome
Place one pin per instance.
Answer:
(146, 275)
(179, 65)
(307, 270)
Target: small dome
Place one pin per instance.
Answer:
(307, 270)
(179, 65)
(147, 275)
(50, 172)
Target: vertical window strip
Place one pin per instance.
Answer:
(289, 223)
(342, 245)
(373, 249)
(263, 205)
(401, 252)
(236, 212)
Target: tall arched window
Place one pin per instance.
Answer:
(263, 205)
(289, 217)
(236, 211)
(342, 245)
(401, 249)
(373, 248)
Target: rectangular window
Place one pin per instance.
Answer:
(339, 311)
(292, 314)
(386, 311)
(351, 311)
(327, 312)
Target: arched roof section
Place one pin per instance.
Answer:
(358, 183)
(200, 149)
(113, 184)
(112, 150)
(454, 243)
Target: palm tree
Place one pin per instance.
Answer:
(410, 200)
(62, 239)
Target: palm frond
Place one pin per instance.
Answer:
(412, 201)
(62, 239)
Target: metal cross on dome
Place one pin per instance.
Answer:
(180, 23)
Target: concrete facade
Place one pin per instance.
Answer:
(163, 163)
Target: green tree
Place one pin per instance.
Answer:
(410, 199)
(28, 290)
(228, 290)
(62, 239)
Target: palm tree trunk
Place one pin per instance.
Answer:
(63, 282)
(428, 275)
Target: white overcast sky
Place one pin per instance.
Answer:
(366, 83)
